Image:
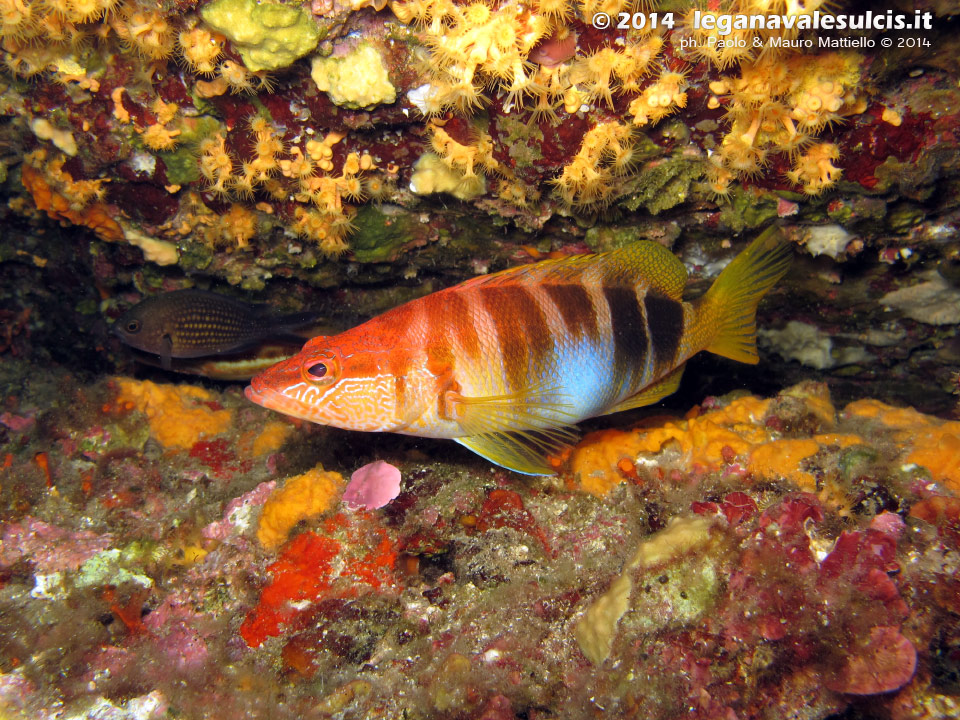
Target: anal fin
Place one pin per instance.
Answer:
(651, 393)
(523, 451)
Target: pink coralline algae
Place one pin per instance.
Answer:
(17, 423)
(50, 548)
(236, 515)
(372, 486)
(174, 625)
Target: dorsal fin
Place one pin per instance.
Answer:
(641, 260)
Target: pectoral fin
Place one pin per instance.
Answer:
(165, 356)
(533, 408)
(524, 452)
(651, 393)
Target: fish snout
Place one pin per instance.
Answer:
(254, 391)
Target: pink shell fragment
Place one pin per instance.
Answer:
(372, 486)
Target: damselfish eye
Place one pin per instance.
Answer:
(317, 371)
(133, 326)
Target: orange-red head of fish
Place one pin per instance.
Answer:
(326, 383)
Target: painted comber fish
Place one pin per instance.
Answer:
(197, 323)
(506, 364)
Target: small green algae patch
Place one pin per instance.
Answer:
(905, 216)
(665, 184)
(378, 237)
(675, 597)
(115, 436)
(748, 209)
(524, 141)
(602, 238)
(181, 164)
(107, 568)
(356, 80)
(268, 36)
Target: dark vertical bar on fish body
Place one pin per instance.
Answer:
(460, 321)
(400, 321)
(629, 331)
(509, 334)
(665, 320)
(576, 309)
(522, 331)
(534, 321)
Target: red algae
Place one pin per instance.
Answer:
(883, 662)
(313, 567)
(303, 572)
(215, 454)
(505, 508)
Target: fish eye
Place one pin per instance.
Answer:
(321, 369)
(133, 326)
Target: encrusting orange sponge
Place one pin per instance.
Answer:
(302, 497)
(179, 415)
(710, 440)
(934, 443)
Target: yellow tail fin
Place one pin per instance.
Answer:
(730, 306)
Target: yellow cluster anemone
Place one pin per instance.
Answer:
(49, 35)
(779, 105)
(660, 99)
(238, 79)
(216, 164)
(474, 46)
(599, 75)
(606, 154)
(465, 158)
(328, 223)
(236, 227)
(36, 36)
(516, 193)
(267, 148)
(297, 173)
(52, 20)
(145, 31)
(460, 169)
(477, 47)
(814, 169)
(159, 136)
(200, 49)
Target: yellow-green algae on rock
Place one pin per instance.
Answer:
(356, 80)
(268, 36)
(432, 175)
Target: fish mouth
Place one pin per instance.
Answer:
(252, 394)
(261, 393)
